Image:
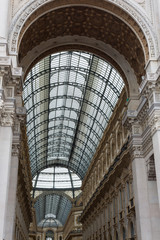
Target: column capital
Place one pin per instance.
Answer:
(7, 116)
(10, 76)
(136, 151)
(133, 119)
(150, 83)
(21, 114)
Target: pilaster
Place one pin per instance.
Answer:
(13, 176)
(4, 10)
(152, 90)
(132, 121)
(10, 102)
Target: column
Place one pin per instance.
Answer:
(5, 163)
(143, 223)
(11, 201)
(140, 179)
(4, 9)
(9, 84)
(154, 122)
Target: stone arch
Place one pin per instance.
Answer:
(96, 47)
(122, 232)
(131, 228)
(129, 7)
(128, 12)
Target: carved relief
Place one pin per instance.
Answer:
(7, 119)
(15, 149)
(150, 83)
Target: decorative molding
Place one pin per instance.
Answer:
(21, 114)
(17, 71)
(5, 61)
(7, 118)
(15, 149)
(129, 119)
(10, 77)
(150, 82)
(136, 151)
(139, 1)
(133, 119)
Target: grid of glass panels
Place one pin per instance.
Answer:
(69, 97)
(56, 178)
(52, 209)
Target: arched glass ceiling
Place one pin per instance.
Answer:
(52, 209)
(69, 97)
(57, 178)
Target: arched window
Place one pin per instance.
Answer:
(60, 238)
(49, 235)
(116, 236)
(124, 233)
(132, 231)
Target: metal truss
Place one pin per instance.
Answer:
(69, 97)
(56, 179)
(52, 206)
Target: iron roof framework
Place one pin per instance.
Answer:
(52, 209)
(57, 179)
(69, 98)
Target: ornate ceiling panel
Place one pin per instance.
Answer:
(89, 22)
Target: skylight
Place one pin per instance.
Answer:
(69, 97)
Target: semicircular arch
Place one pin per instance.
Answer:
(132, 9)
(128, 12)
